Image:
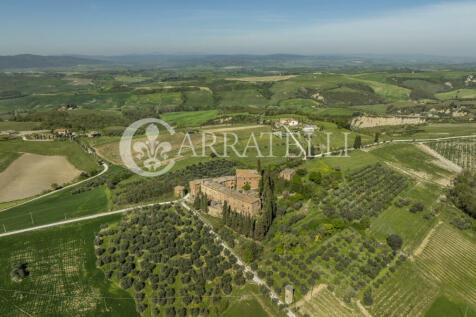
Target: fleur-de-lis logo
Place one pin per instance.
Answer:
(152, 148)
(148, 152)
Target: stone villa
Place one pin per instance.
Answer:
(228, 188)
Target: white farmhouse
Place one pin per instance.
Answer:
(288, 121)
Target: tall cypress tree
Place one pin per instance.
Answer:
(358, 142)
(224, 212)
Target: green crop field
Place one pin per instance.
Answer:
(299, 103)
(73, 152)
(443, 130)
(189, 119)
(18, 126)
(457, 94)
(56, 207)
(389, 93)
(63, 279)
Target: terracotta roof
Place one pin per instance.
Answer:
(231, 192)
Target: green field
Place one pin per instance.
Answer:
(18, 126)
(6, 158)
(442, 130)
(56, 207)
(63, 279)
(73, 152)
(409, 156)
(457, 94)
(443, 307)
(412, 227)
(189, 119)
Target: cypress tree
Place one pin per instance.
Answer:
(358, 142)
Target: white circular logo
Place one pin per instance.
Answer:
(148, 153)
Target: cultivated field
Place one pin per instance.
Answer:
(445, 264)
(324, 304)
(460, 151)
(449, 259)
(32, 174)
(63, 279)
(56, 207)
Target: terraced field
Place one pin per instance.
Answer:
(326, 304)
(460, 151)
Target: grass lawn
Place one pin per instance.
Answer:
(356, 160)
(63, 279)
(412, 227)
(56, 207)
(73, 152)
(253, 304)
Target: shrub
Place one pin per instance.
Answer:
(416, 207)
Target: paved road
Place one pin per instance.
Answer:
(104, 214)
(106, 167)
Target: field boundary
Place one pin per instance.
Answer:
(103, 214)
(106, 168)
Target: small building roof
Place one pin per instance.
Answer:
(247, 173)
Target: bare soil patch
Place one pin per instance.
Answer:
(425, 241)
(370, 122)
(440, 160)
(32, 174)
(231, 129)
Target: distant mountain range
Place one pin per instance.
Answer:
(38, 61)
(278, 61)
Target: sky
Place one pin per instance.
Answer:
(307, 27)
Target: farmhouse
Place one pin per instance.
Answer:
(288, 121)
(221, 189)
(61, 132)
